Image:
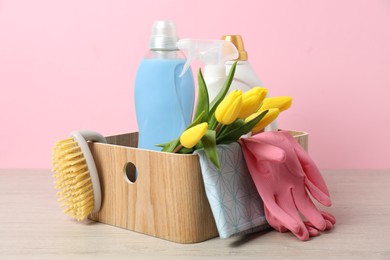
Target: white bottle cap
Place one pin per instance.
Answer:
(163, 36)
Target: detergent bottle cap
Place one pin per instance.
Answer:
(210, 52)
(238, 42)
(164, 37)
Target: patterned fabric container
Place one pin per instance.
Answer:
(236, 205)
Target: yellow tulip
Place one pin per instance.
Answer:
(251, 101)
(190, 137)
(228, 110)
(283, 103)
(266, 120)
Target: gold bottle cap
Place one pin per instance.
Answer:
(237, 41)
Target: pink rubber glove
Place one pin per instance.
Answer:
(282, 171)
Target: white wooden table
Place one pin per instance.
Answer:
(32, 226)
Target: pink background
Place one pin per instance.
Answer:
(68, 65)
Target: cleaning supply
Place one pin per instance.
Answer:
(214, 54)
(245, 77)
(77, 179)
(284, 176)
(164, 100)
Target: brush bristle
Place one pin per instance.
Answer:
(73, 180)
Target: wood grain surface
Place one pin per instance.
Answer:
(167, 200)
(32, 226)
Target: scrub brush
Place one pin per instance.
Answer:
(77, 179)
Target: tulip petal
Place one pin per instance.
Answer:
(228, 110)
(266, 120)
(251, 101)
(192, 136)
(282, 103)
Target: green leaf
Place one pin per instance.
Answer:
(228, 128)
(186, 150)
(222, 93)
(210, 147)
(203, 99)
(199, 145)
(197, 120)
(235, 133)
(170, 146)
(213, 122)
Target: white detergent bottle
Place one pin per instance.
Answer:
(214, 54)
(163, 100)
(245, 77)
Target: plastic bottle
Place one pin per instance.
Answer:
(163, 100)
(214, 54)
(245, 77)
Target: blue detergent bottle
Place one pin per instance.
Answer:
(164, 100)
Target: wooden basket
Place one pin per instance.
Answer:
(167, 198)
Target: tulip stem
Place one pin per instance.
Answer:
(218, 128)
(177, 148)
